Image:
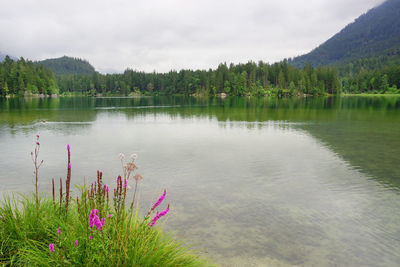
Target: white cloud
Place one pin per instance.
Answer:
(171, 34)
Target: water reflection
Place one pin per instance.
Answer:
(363, 130)
(252, 181)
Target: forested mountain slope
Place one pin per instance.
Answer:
(68, 65)
(374, 34)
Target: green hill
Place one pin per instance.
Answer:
(68, 65)
(374, 34)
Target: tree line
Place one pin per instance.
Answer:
(371, 75)
(22, 76)
(240, 79)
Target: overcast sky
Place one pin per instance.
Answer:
(171, 34)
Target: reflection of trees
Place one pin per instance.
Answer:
(363, 130)
(24, 111)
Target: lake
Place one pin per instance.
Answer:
(250, 181)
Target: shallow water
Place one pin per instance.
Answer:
(251, 181)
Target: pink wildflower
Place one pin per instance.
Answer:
(94, 220)
(37, 143)
(90, 237)
(106, 188)
(158, 216)
(59, 230)
(109, 215)
(159, 200)
(125, 183)
(51, 247)
(76, 243)
(68, 147)
(37, 136)
(69, 165)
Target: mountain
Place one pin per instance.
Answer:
(3, 56)
(373, 34)
(68, 65)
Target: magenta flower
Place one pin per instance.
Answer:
(118, 179)
(90, 237)
(51, 247)
(109, 215)
(59, 230)
(106, 188)
(68, 147)
(158, 216)
(159, 200)
(76, 243)
(94, 220)
(37, 143)
(37, 136)
(125, 183)
(69, 165)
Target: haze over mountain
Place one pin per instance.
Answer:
(3, 55)
(375, 33)
(68, 65)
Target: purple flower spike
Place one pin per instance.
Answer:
(158, 216)
(106, 188)
(109, 215)
(68, 147)
(90, 237)
(37, 143)
(76, 243)
(59, 230)
(125, 183)
(159, 200)
(69, 165)
(51, 247)
(37, 136)
(94, 220)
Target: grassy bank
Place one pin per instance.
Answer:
(27, 230)
(368, 94)
(98, 227)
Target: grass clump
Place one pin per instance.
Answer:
(93, 229)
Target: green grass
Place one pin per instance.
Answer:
(368, 94)
(97, 228)
(27, 229)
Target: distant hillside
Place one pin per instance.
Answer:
(376, 33)
(2, 56)
(68, 65)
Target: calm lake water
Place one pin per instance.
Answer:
(250, 181)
